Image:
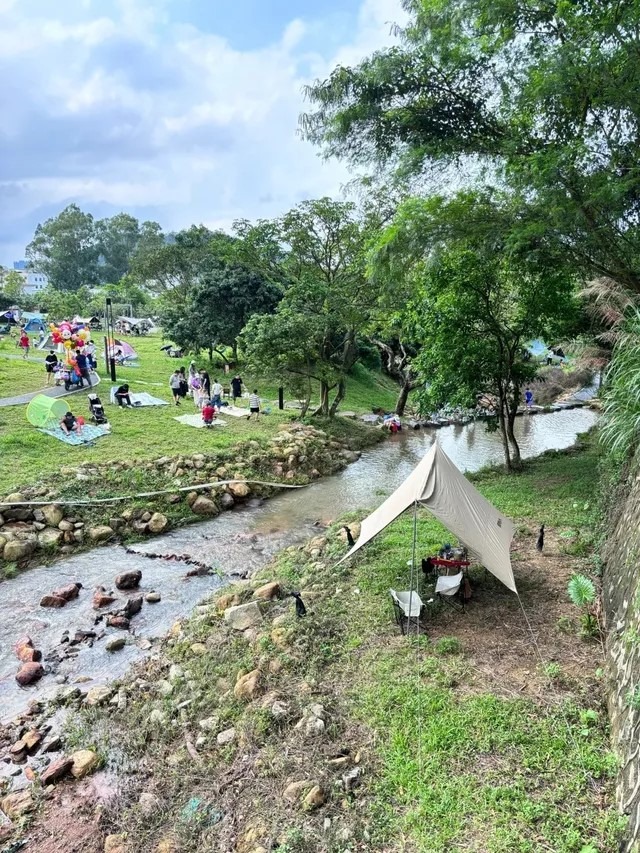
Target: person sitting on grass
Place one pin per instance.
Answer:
(50, 365)
(254, 405)
(70, 423)
(208, 413)
(122, 396)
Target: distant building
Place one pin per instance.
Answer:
(34, 282)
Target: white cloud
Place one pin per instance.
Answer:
(131, 111)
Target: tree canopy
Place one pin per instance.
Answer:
(541, 98)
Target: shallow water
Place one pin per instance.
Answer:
(234, 542)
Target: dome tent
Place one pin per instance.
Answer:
(44, 411)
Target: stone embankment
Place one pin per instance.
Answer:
(29, 532)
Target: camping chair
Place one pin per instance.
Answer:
(407, 606)
(452, 590)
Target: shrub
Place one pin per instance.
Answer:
(448, 646)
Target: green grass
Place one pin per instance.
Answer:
(147, 432)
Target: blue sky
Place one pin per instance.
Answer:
(177, 110)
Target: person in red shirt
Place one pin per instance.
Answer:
(208, 413)
(25, 343)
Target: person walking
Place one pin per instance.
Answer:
(50, 365)
(528, 397)
(90, 352)
(175, 382)
(216, 394)
(82, 364)
(236, 388)
(24, 343)
(254, 405)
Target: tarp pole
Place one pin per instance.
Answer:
(413, 566)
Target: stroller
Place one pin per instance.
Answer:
(97, 410)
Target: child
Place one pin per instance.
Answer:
(24, 343)
(254, 405)
(528, 397)
(70, 422)
(208, 413)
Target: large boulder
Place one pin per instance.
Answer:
(25, 651)
(118, 622)
(101, 533)
(52, 515)
(56, 771)
(129, 580)
(243, 616)
(227, 501)
(84, 761)
(133, 606)
(28, 673)
(15, 498)
(98, 695)
(158, 523)
(50, 538)
(102, 598)
(68, 592)
(239, 490)
(247, 686)
(204, 506)
(18, 549)
(17, 804)
(52, 601)
(267, 591)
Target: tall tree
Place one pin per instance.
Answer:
(174, 266)
(118, 239)
(327, 295)
(218, 306)
(541, 97)
(472, 302)
(66, 249)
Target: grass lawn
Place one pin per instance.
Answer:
(145, 432)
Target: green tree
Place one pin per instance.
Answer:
(117, 239)
(327, 299)
(176, 264)
(13, 286)
(217, 307)
(64, 305)
(472, 303)
(66, 249)
(542, 98)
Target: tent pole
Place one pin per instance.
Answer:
(413, 566)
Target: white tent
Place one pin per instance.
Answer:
(437, 484)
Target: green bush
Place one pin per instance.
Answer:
(448, 646)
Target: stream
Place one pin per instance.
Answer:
(237, 541)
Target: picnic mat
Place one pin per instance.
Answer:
(197, 422)
(89, 434)
(234, 411)
(141, 399)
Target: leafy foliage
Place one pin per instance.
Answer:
(540, 98)
(621, 428)
(581, 591)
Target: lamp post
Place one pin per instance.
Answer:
(110, 336)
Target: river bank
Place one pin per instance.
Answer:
(333, 732)
(73, 511)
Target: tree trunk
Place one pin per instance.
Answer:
(408, 385)
(511, 419)
(342, 387)
(503, 433)
(323, 408)
(210, 350)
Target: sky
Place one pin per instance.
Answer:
(181, 111)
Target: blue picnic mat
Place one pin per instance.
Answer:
(89, 434)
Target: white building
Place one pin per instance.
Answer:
(34, 282)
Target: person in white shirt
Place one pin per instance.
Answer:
(216, 395)
(254, 405)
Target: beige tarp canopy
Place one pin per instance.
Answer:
(438, 485)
